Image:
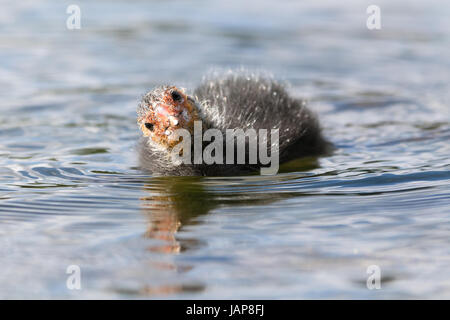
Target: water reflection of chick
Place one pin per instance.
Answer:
(173, 203)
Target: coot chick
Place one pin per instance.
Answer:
(235, 101)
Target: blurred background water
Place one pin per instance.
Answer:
(71, 192)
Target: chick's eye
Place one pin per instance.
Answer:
(176, 96)
(149, 126)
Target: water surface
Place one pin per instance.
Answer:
(71, 191)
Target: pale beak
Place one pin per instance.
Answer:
(174, 121)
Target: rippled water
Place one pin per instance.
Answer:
(71, 192)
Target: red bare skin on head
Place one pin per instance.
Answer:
(170, 109)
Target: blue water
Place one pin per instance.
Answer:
(71, 192)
